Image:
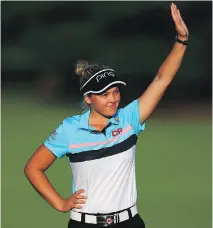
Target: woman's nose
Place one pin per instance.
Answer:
(112, 98)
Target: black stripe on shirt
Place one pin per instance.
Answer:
(103, 152)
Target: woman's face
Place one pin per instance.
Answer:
(106, 103)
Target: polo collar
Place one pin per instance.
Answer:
(114, 119)
(85, 120)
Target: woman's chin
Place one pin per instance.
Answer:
(111, 112)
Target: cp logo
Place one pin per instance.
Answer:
(116, 132)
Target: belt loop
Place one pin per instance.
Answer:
(117, 218)
(83, 217)
(129, 213)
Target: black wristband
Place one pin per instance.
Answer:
(183, 42)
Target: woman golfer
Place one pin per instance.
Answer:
(100, 144)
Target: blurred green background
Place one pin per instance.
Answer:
(173, 167)
(41, 41)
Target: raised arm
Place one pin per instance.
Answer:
(167, 71)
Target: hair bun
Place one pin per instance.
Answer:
(85, 69)
(81, 67)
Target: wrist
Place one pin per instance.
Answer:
(183, 38)
(60, 205)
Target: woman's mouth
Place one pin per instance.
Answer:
(112, 106)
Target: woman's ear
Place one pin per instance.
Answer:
(87, 99)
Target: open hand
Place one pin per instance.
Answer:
(180, 26)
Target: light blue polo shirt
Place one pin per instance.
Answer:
(102, 163)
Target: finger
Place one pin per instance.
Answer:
(174, 6)
(175, 11)
(79, 192)
(78, 201)
(174, 16)
(179, 15)
(172, 11)
(81, 197)
(78, 206)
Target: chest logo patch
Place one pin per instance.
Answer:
(116, 132)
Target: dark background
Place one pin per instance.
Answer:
(41, 41)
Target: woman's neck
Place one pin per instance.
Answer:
(97, 119)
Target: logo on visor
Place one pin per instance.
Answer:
(104, 75)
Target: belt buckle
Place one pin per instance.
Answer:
(106, 220)
(110, 220)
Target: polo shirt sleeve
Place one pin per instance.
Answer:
(57, 141)
(131, 114)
